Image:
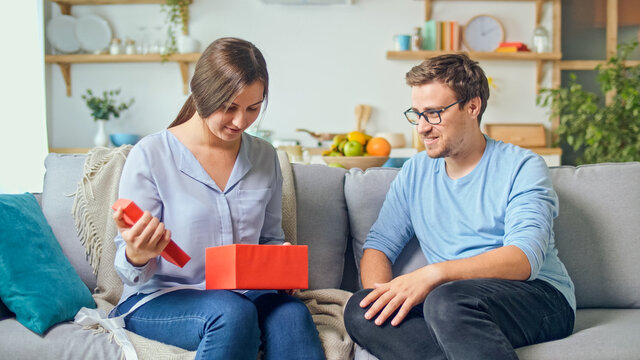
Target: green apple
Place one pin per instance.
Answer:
(353, 148)
(336, 165)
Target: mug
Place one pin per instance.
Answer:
(403, 42)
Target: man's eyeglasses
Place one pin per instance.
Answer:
(432, 116)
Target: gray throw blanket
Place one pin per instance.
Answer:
(98, 189)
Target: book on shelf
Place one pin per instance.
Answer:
(506, 47)
(441, 35)
(450, 39)
(430, 35)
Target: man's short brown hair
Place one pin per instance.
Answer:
(457, 71)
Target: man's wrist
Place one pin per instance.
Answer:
(436, 273)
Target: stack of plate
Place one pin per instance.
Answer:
(68, 35)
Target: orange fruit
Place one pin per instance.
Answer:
(378, 146)
(357, 136)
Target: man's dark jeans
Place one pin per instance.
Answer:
(467, 319)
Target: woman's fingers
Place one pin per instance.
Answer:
(119, 220)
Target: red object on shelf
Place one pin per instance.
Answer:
(513, 46)
(132, 213)
(266, 267)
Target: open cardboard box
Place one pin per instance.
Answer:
(243, 266)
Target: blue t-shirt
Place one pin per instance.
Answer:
(163, 176)
(507, 199)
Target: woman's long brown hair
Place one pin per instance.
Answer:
(223, 70)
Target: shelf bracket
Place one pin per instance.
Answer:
(539, 11)
(65, 8)
(184, 71)
(65, 69)
(539, 72)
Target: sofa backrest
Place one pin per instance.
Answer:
(63, 172)
(597, 231)
(322, 222)
(365, 192)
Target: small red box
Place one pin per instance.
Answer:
(242, 266)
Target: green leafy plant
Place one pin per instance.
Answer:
(177, 18)
(600, 132)
(102, 107)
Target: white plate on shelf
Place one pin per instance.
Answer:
(93, 33)
(61, 33)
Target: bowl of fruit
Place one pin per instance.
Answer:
(357, 150)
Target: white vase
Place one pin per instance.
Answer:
(188, 44)
(101, 138)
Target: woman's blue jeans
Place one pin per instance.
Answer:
(222, 324)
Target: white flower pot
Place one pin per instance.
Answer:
(101, 138)
(188, 44)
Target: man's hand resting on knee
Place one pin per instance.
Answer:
(401, 293)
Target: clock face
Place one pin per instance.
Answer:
(483, 33)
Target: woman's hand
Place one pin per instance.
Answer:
(145, 239)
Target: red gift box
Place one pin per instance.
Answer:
(242, 266)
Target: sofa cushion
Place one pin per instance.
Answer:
(365, 192)
(322, 222)
(64, 171)
(63, 341)
(598, 233)
(598, 334)
(37, 282)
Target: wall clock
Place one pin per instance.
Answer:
(483, 33)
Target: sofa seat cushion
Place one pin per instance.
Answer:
(63, 341)
(598, 334)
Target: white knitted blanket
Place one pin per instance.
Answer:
(98, 189)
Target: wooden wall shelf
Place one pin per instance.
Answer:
(540, 58)
(65, 61)
(425, 54)
(65, 5)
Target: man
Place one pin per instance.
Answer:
(482, 211)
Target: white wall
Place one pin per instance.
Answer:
(323, 60)
(23, 135)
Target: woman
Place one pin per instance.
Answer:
(212, 185)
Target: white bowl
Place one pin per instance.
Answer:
(396, 140)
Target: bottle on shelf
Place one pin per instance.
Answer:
(130, 47)
(115, 48)
(540, 39)
(416, 39)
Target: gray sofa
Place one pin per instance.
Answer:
(597, 233)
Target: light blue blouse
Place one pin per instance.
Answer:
(163, 176)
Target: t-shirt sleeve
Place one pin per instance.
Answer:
(393, 229)
(532, 206)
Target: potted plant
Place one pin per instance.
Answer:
(600, 131)
(177, 18)
(102, 108)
